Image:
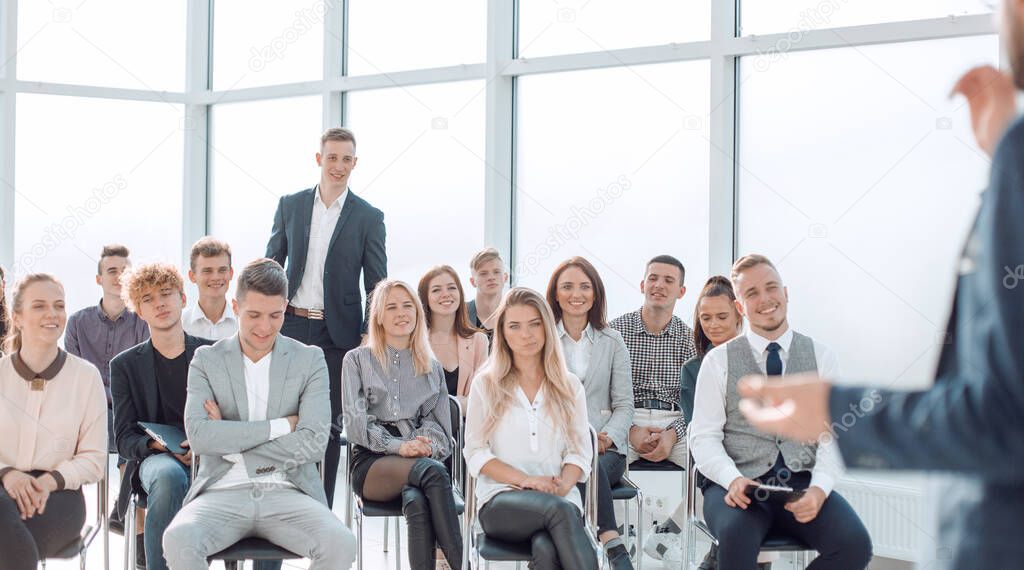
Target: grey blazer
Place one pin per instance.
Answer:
(298, 386)
(608, 383)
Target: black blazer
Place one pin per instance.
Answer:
(970, 423)
(133, 390)
(357, 246)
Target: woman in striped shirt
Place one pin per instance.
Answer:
(398, 416)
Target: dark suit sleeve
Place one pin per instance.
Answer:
(277, 246)
(971, 421)
(132, 442)
(375, 261)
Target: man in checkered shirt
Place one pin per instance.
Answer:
(659, 343)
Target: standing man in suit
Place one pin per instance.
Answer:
(328, 235)
(258, 416)
(969, 423)
(148, 385)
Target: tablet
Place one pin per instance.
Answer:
(765, 492)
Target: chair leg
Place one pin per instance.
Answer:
(398, 543)
(129, 536)
(639, 530)
(387, 524)
(359, 541)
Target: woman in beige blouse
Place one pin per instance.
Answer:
(53, 417)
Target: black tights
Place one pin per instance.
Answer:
(24, 542)
(552, 524)
(427, 503)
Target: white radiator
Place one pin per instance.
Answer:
(892, 508)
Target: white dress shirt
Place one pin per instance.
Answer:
(195, 323)
(706, 428)
(257, 394)
(310, 294)
(526, 439)
(577, 352)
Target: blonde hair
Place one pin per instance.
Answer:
(419, 345)
(12, 343)
(746, 262)
(483, 256)
(135, 283)
(501, 378)
(208, 247)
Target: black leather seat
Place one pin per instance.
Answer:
(254, 549)
(781, 542)
(622, 492)
(645, 465)
(501, 551)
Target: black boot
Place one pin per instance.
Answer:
(416, 509)
(430, 477)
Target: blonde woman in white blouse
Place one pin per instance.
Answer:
(53, 429)
(528, 440)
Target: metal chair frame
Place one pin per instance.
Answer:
(696, 523)
(89, 532)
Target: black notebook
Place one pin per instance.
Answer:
(167, 436)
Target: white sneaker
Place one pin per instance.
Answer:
(662, 545)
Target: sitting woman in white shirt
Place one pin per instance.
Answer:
(398, 417)
(527, 438)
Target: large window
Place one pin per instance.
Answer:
(259, 151)
(573, 26)
(263, 42)
(443, 33)
(92, 172)
(613, 166)
(421, 161)
(859, 178)
(112, 43)
(781, 16)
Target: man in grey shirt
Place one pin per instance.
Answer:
(100, 332)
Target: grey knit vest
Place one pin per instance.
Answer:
(754, 451)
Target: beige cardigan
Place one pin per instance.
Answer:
(472, 356)
(61, 428)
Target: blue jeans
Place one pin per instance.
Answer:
(165, 480)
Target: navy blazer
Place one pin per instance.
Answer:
(357, 246)
(135, 398)
(971, 422)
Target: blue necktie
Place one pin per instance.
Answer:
(773, 366)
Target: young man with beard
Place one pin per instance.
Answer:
(736, 458)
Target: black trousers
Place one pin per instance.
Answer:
(23, 543)
(837, 533)
(552, 524)
(610, 468)
(314, 332)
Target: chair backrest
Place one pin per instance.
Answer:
(456, 463)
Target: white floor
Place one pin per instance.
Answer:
(373, 548)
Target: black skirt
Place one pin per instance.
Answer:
(363, 459)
